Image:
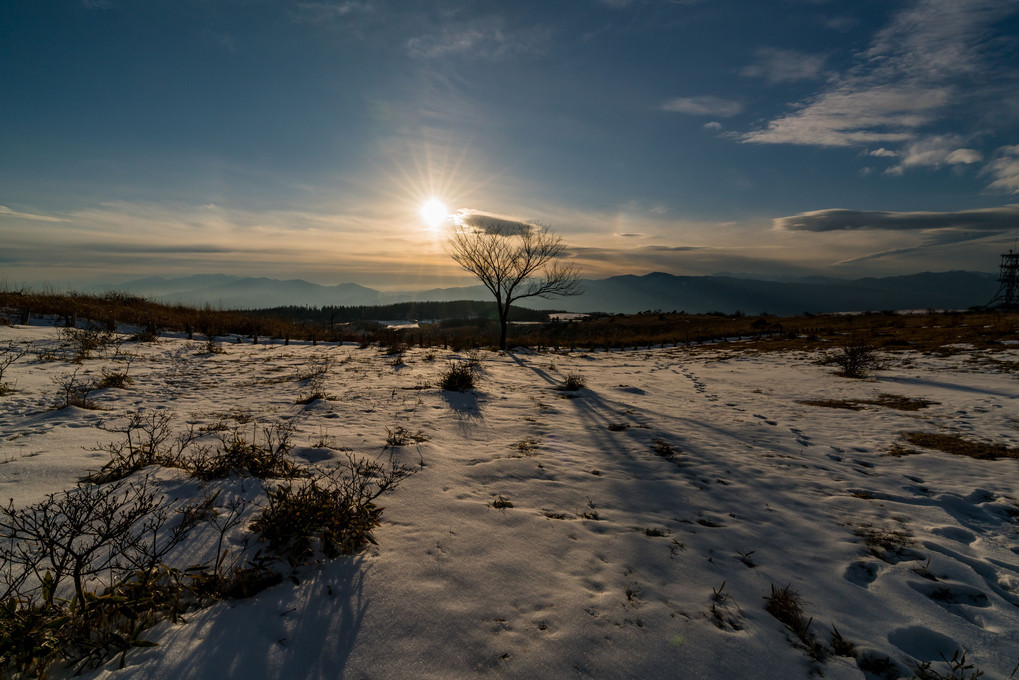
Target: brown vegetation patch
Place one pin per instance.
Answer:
(853, 405)
(893, 401)
(900, 403)
(937, 333)
(953, 443)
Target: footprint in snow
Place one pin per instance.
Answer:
(958, 599)
(955, 534)
(861, 573)
(922, 643)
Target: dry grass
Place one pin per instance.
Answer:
(939, 333)
(953, 443)
(893, 401)
(900, 403)
(852, 405)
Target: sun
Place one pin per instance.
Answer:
(434, 213)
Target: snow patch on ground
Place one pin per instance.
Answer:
(648, 514)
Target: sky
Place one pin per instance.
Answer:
(301, 139)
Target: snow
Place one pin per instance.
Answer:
(613, 561)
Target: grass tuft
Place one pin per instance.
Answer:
(572, 382)
(399, 436)
(785, 605)
(459, 376)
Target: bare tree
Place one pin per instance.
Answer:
(514, 260)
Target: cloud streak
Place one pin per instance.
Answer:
(784, 66)
(7, 212)
(484, 37)
(1002, 219)
(705, 105)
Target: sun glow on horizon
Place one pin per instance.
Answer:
(434, 213)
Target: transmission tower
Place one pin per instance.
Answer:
(1007, 296)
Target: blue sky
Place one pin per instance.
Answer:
(299, 139)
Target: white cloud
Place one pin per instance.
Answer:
(703, 106)
(883, 153)
(934, 152)
(783, 66)
(854, 116)
(905, 80)
(1004, 168)
(714, 126)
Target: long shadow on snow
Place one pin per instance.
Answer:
(285, 632)
(924, 382)
(598, 414)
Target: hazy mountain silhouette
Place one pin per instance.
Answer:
(627, 294)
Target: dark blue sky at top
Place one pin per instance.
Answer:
(729, 112)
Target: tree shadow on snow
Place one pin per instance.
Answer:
(303, 631)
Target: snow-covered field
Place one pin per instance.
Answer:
(632, 529)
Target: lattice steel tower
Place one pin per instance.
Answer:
(1007, 296)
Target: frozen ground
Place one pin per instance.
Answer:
(606, 559)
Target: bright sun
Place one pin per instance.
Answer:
(434, 213)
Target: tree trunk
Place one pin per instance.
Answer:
(502, 330)
(503, 322)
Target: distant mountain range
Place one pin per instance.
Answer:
(626, 294)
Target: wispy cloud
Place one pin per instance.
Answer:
(906, 80)
(705, 105)
(934, 152)
(223, 41)
(928, 244)
(784, 66)
(7, 212)
(1004, 168)
(854, 116)
(484, 37)
(325, 12)
(1001, 219)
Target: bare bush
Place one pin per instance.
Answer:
(335, 512)
(148, 440)
(854, 361)
(85, 341)
(572, 382)
(10, 351)
(79, 552)
(268, 459)
(74, 390)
